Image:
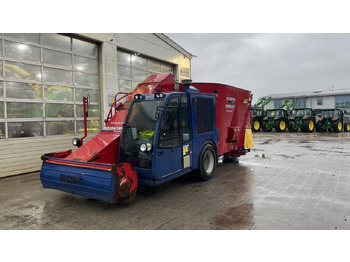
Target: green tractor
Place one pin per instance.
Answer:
(303, 119)
(275, 118)
(278, 118)
(332, 120)
(258, 113)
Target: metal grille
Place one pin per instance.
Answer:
(205, 115)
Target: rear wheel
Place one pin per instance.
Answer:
(280, 125)
(292, 127)
(337, 126)
(308, 125)
(256, 125)
(207, 162)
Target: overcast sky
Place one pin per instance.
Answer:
(270, 63)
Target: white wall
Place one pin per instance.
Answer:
(328, 102)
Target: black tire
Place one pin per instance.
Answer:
(347, 127)
(207, 162)
(256, 124)
(337, 126)
(292, 127)
(265, 127)
(319, 127)
(308, 125)
(280, 125)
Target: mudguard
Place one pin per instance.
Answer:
(99, 181)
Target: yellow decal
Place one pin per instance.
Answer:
(245, 101)
(184, 150)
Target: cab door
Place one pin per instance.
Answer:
(168, 155)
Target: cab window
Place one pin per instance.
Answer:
(169, 128)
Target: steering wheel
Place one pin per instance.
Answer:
(147, 134)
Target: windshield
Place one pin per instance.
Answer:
(271, 113)
(328, 113)
(139, 129)
(256, 112)
(299, 113)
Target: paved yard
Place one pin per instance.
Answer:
(288, 181)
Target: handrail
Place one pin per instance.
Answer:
(110, 113)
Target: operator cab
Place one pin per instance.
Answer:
(157, 135)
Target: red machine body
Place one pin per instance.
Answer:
(232, 116)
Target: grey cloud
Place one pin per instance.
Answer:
(270, 63)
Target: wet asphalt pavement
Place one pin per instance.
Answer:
(287, 181)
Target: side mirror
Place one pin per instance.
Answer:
(87, 103)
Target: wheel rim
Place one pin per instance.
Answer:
(256, 125)
(208, 162)
(282, 125)
(311, 125)
(339, 126)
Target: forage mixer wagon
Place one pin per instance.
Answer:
(156, 135)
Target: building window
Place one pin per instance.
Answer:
(319, 101)
(340, 101)
(133, 69)
(300, 103)
(43, 78)
(277, 103)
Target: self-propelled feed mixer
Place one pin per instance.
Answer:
(156, 135)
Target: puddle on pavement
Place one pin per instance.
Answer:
(240, 217)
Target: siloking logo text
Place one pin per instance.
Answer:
(72, 179)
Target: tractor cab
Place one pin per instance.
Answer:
(257, 112)
(276, 113)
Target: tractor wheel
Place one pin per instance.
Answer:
(347, 127)
(292, 127)
(265, 127)
(319, 127)
(256, 125)
(280, 125)
(308, 125)
(207, 162)
(337, 126)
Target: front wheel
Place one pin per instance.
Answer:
(320, 128)
(292, 127)
(347, 127)
(266, 127)
(207, 162)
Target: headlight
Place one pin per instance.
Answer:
(149, 147)
(143, 147)
(76, 142)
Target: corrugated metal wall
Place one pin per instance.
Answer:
(23, 155)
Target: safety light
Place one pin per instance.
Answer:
(143, 147)
(138, 97)
(159, 95)
(76, 142)
(149, 147)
